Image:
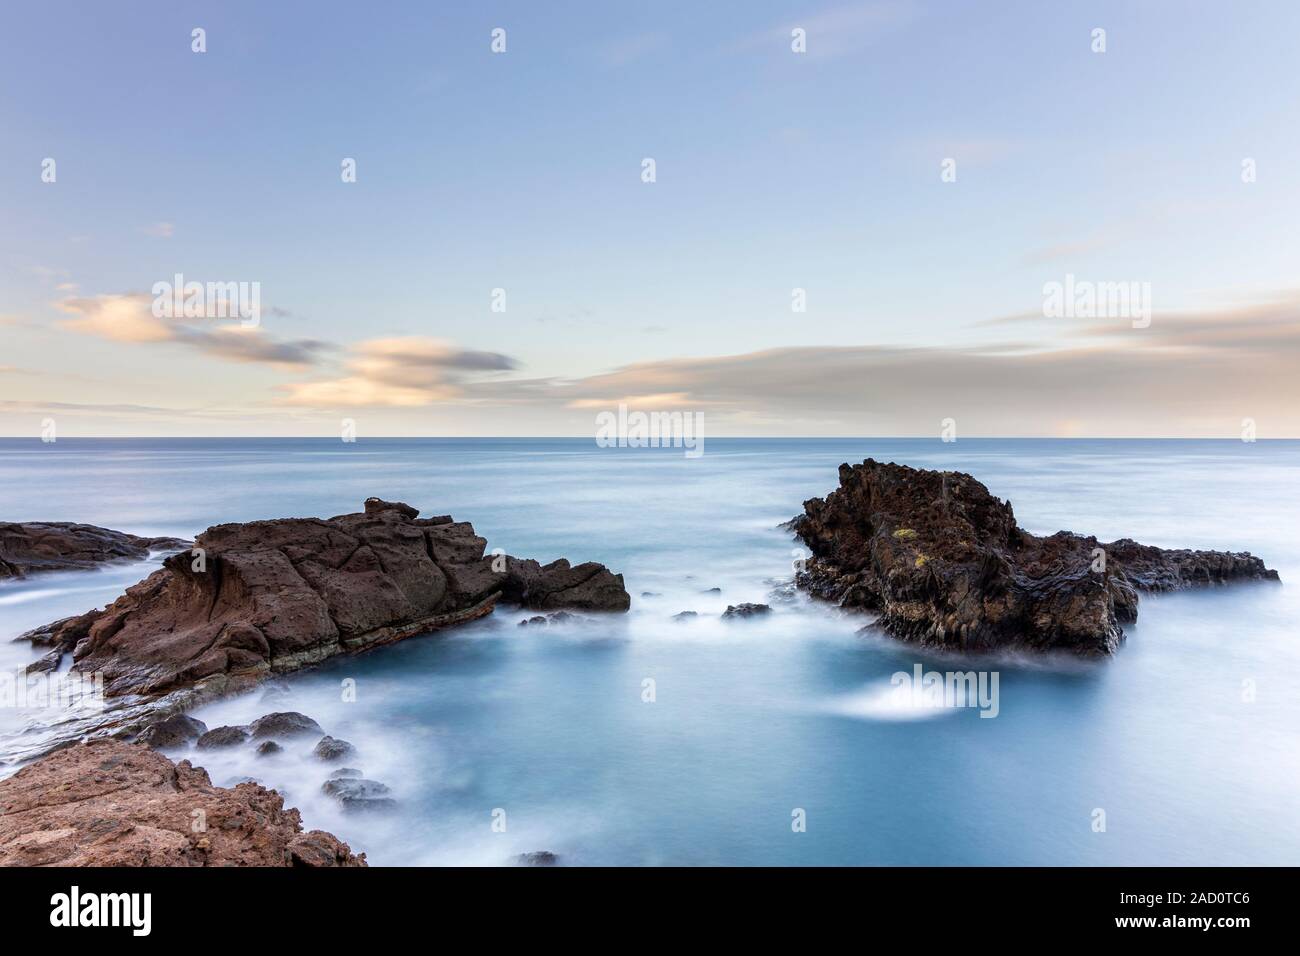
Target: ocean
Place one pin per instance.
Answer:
(639, 739)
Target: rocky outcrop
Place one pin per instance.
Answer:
(944, 564)
(109, 803)
(270, 597)
(30, 547)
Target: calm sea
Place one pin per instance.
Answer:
(1188, 741)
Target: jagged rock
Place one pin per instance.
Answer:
(33, 546)
(268, 748)
(537, 620)
(537, 858)
(109, 803)
(222, 737)
(275, 596)
(358, 793)
(330, 748)
(173, 731)
(745, 610)
(586, 587)
(945, 565)
(287, 724)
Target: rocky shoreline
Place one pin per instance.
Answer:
(943, 564)
(111, 803)
(34, 547)
(265, 598)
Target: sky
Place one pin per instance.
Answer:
(855, 239)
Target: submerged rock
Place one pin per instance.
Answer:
(287, 724)
(944, 564)
(33, 546)
(746, 610)
(358, 793)
(684, 615)
(222, 737)
(172, 731)
(268, 748)
(270, 597)
(537, 858)
(110, 803)
(330, 748)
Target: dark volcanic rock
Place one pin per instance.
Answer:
(33, 546)
(270, 597)
(945, 565)
(746, 610)
(330, 748)
(173, 731)
(358, 793)
(110, 803)
(537, 858)
(288, 724)
(222, 737)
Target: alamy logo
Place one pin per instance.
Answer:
(651, 430)
(103, 909)
(923, 688)
(179, 299)
(1082, 299)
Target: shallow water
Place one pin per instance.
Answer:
(753, 720)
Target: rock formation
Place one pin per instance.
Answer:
(109, 803)
(945, 565)
(34, 546)
(269, 597)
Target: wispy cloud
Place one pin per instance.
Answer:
(404, 372)
(128, 318)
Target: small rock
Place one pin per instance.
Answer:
(536, 620)
(223, 737)
(651, 594)
(287, 724)
(745, 610)
(712, 591)
(268, 747)
(358, 793)
(175, 730)
(330, 748)
(344, 772)
(537, 858)
(684, 616)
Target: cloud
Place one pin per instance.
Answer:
(401, 372)
(159, 230)
(1193, 374)
(128, 317)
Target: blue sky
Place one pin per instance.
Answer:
(774, 170)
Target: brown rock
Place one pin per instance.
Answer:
(33, 546)
(274, 596)
(109, 803)
(944, 564)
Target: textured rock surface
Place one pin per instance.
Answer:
(944, 564)
(109, 803)
(269, 597)
(32, 546)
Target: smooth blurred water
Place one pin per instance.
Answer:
(755, 719)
